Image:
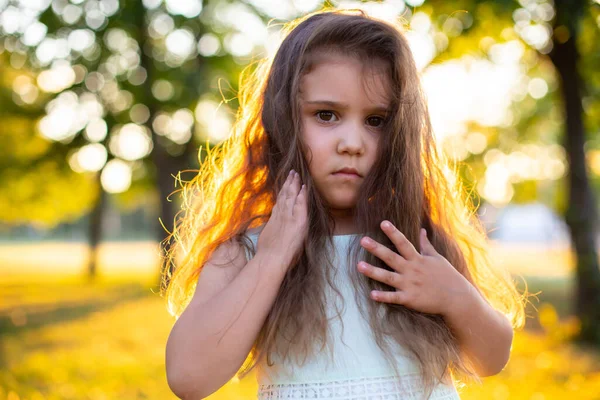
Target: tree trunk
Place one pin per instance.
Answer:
(581, 214)
(95, 229)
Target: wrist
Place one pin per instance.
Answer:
(274, 259)
(463, 299)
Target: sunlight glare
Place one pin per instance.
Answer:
(253, 28)
(34, 34)
(56, 79)
(478, 91)
(305, 6)
(180, 127)
(161, 25)
(116, 176)
(81, 39)
(537, 88)
(62, 120)
(181, 43)
(420, 22)
(476, 142)
(71, 14)
(151, 4)
(422, 47)
(24, 87)
(131, 142)
(96, 130)
(92, 157)
(238, 45)
(213, 120)
(10, 20)
(495, 186)
(188, 8)
(209, 45)
(283, 10)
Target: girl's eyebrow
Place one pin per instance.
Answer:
(343, 106)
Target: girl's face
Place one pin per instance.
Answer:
(342, 118)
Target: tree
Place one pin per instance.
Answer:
(582, 213)
(119, 84)
(567, 22)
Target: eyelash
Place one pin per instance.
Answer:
(317, 113)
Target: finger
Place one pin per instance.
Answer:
(281, 196)
(427, 248)
(404, 246)
(391, 258)
(290, 185)
(379, 274)
(292, 193)
(300, 205)
(296, 184)
(283, 192)
(385, 296)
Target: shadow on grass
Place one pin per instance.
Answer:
(33, 315)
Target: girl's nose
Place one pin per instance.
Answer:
(351, 139)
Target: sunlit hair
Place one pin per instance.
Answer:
(411, 184)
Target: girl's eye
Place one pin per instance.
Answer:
(325, 116)
(375, 121)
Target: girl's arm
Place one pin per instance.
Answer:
(214, 335)
(484, 334)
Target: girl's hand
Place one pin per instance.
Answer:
(424, 281)
(284, 233)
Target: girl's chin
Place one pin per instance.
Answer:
(342, 204)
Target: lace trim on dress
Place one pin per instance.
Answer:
(408, 387)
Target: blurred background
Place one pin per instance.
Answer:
(104, 105)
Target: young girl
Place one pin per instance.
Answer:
(328, 247)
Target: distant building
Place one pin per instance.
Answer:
(524, 223)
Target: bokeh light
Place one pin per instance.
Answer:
(89, 158)
(188, 8)
(96, 130)
(58, 78)
(177, 126)
(163, 90)
(131, 142)
(34, 34)
(116, 176)
(209, 45)
(67, 114)
(213, 119)
(181, 43)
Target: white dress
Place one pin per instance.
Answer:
(358, 370)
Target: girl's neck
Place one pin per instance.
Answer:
(344, 224)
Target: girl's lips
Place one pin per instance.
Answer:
(346, 175)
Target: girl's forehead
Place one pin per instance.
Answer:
(369, 66)
(339, 72)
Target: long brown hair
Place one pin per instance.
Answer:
(411, 185)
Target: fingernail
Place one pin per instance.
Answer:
(368, 241)
(291, 171)
(387, 225)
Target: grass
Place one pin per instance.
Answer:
(65, 338)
